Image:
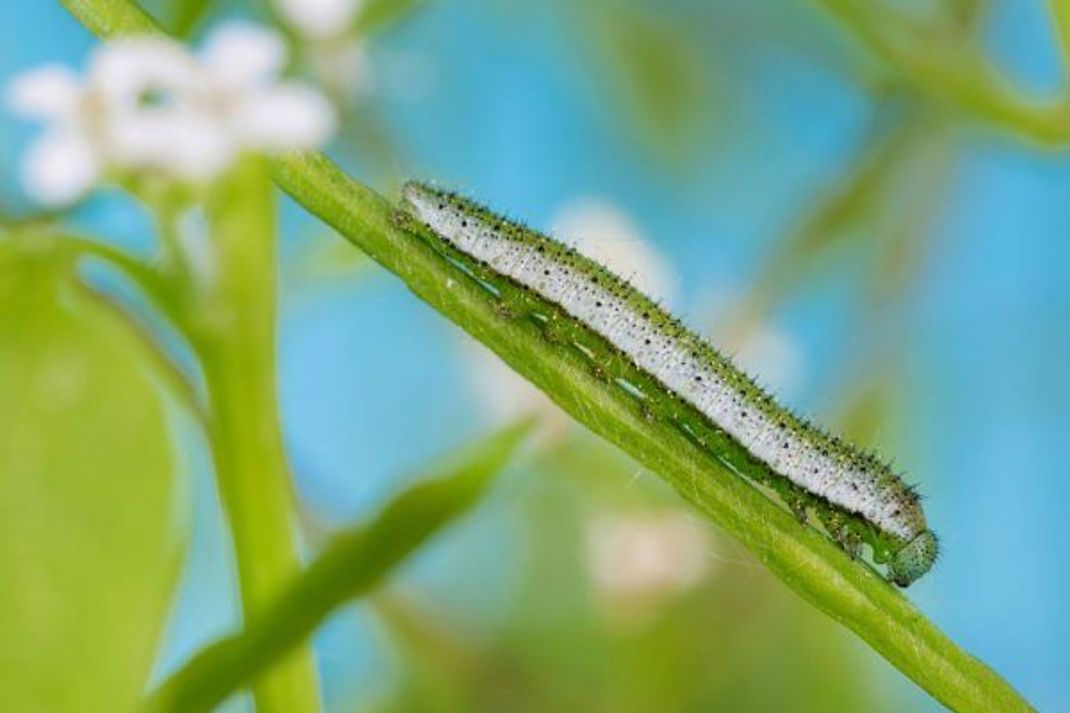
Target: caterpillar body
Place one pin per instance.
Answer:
(675, 374)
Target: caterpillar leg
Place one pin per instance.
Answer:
(798, 509)
(505, 309)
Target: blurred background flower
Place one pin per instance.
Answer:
(148, 107)
(636, 560)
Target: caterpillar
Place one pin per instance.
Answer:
(855, 498)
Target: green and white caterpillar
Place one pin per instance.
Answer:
(677, 375)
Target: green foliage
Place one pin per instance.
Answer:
(376, 15)
(90, 533)
(655, 70)
(354, 562)
(566, 644)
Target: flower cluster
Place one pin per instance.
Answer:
(149, 106)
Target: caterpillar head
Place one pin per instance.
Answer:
(914, 559)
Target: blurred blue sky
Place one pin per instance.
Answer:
(370, 375)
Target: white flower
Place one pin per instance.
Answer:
(282, 117)
(60, 167)
(150, 93)
(149, 105)
(244, 54)
(64, 162)
(49, 92)
(636, 560)
(143, 73)
(260, 112)
(319, 19)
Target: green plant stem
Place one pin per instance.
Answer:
(186, 15)
(233, 323)
(804, 559)
(354, 562)
(1060, 18)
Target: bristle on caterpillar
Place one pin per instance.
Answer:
(854, 497)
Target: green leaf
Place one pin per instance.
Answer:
(377, 15)
(654, 68)
(89, 539)
(352, 564)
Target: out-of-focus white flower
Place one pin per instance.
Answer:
(146, 102)
(283, 117)
(60, 167)
(48, 92)
(602, 231)
(331, 42)
(64, 162)
(150, 105)
(637, 560)
(143, 72)
(319, 19)
(260, 112)
(244, 54)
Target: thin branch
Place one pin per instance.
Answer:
(948, 67)
(1060, 20)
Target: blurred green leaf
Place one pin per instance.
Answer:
(945, 63)
(849, 211)
(885, 201)
(655, 68)
(185, 15)
(447, 670)
(89, 539)
(353, 563)
(558, 647)
(379, 14)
